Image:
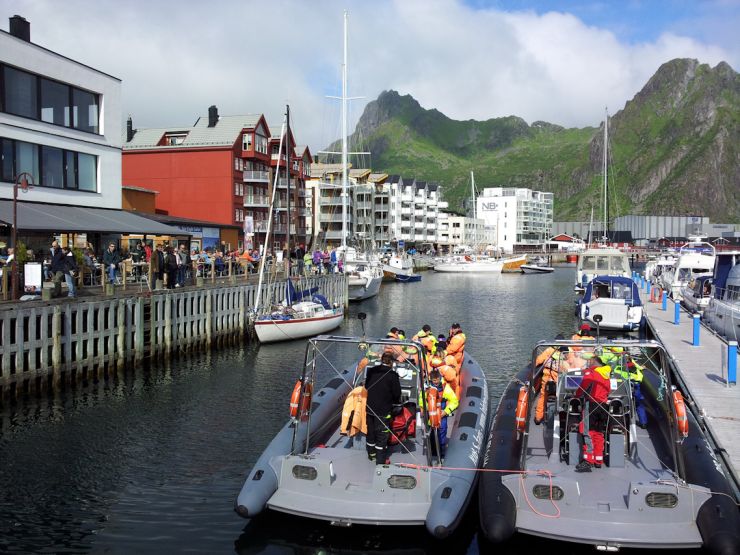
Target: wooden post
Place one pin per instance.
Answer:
(5, 283)
(167, 325)
(121, 339)
(56, 346)
(139, 330)
(242, 310)
(213, 270)
(102, 277)
(123, 265)
(209, 307)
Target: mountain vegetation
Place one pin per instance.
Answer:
(674, 149)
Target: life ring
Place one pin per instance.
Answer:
(522, 407)
(296, 400)
(682, 421)
(433, 408)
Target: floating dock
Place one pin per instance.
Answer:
(702, 371)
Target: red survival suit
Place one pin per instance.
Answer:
(594, 390)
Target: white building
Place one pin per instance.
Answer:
(414, 210)
(60, 121)
(520, 216)
(468, 232)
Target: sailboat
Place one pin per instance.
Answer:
(294, 318)
(364, 275)
(603, 260)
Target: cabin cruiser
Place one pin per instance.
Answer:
(694, 259)
(654, 269)
(364, 275)
(722, 313)
(600, 262)
(616, 299)
(659, 486)
(317, 466)
(695, 295)
(399, 268)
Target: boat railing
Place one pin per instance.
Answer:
(697, 247)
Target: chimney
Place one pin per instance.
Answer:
(20, 28)
(129, 129)
(212, 116)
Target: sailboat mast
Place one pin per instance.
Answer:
(606, 156)
(287, 175)
(344, 137)
(472, 193)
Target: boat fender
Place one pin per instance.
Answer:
(656, 295)
(301, 397)
(522, 407)
(682, 421)
(433, 408)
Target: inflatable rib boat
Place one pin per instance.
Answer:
(316, 468)
(660, 486)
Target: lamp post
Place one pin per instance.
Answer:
(24, 180)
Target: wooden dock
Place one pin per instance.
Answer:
(702, 373)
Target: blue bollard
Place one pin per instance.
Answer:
(676, 313)
(697, 326)
(642, 283)
(648, 288)
(732, 362)
(665, 301)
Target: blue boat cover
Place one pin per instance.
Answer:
(322, 301)
(620, 287)
(294, 296)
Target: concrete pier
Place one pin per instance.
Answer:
(701, 365)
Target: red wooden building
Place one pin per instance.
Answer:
(220, 170)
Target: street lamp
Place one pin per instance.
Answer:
(24, 180)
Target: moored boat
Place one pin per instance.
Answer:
(317, 466)
(513, 264)
(363, 279)
(298, 321)
(659, 486)
(696, 294)
(616, 299)
(600, 262)
(470, 264)
(722, 313)
(399, 268)
(538, 265)
(695, 259)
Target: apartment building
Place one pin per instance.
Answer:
(520, 216)
(467, 232)
(60, 123)
(222, 170)
(414, 209)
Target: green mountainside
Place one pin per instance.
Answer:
(674, 149)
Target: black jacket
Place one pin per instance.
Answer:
(383, 389)
(58, 260)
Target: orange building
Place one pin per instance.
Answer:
(220, 170)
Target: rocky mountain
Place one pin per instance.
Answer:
(674, 148)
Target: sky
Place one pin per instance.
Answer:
(557, 61)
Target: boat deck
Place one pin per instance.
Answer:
(702, 371)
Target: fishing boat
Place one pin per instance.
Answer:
(616, 299)
(317, 468)
(398, 267)
(722, 313)
(538, 265)
(695, 258)
(696, 294)
(513, 264)
(659, 487)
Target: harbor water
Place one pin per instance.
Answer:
(151, 461)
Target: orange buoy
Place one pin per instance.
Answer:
(522, 407)
(433, 408)
(295, 397)
(682, 420)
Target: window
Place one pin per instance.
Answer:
(49, 166)
(52, 165)
(85, 111)
(236, 163)
(20, 93)
(54, 102)
(32, 96)
(247, 141)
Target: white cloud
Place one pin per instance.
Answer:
(178, 57)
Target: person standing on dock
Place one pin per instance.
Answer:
(111, 259)
(58, 266)
(383, 391)
(594, 389)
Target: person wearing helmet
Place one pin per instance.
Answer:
(594, 389)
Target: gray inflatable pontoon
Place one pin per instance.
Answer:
(657, 488)
(314, 470)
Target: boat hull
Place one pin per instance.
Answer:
(470, 267)
(408, 279)
(365, 290)
(530, 269)
(271, 331)
(513, 264)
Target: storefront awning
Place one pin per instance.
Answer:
(33, 216)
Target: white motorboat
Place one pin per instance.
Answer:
(600, 262)
(723, 311)
(654, 269)
(399, 268)
(616, 299)
(297, 321)
(695, 295)
(537, 266)
(695, 259)
(470, 264)
(363, 279)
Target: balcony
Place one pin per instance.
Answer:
(407, 198)
(260, 176)
(431, 226)
(431, 202)
(307, 212)
(420, 213)
(256, 201)
(331, 218)
(420, 200)
(419, 225)
(406, 211)
(363, 205)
